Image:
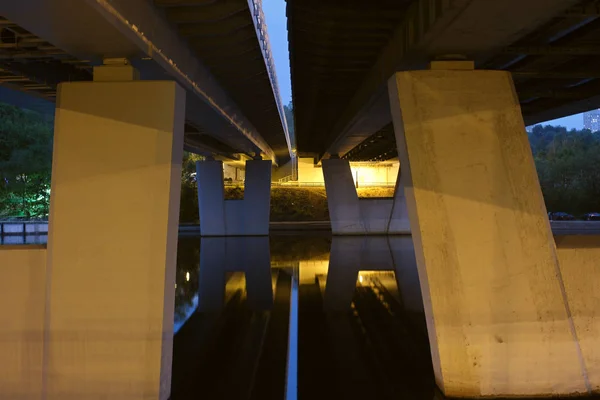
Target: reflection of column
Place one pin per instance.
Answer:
(350, 215)
(407, 275)
(116, 181)
(349, 255)
(497, 319)
(247, 217)
(211, 277)
(249, 255)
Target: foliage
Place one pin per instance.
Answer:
(568, 165)
(25, 163)
(289, 116)
(188, 211)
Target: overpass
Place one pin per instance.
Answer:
(342, 57)
(217, 50)
(447, 86)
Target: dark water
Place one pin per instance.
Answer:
(308, 317)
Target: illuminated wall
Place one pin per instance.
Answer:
(368, 173)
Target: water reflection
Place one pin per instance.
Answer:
(362, 324)
(234, 341)
(361, 330)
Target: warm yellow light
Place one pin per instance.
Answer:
(187, 276)
(360, 278)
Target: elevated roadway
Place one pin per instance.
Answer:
(343, 53)
(217, 50)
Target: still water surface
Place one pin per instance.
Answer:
(308, 317)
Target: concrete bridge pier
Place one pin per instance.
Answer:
(112, 245)
(497, 315)
(247, 217)
(350, 215)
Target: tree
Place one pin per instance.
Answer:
(289, 116)
(188, 211)
(568, 165)
(25, 162)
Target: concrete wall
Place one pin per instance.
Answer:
(309, 172)
(367, 173)
(22, 307)
(579, 258)
(282, 171)
(235, 173)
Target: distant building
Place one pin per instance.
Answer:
(591, 120)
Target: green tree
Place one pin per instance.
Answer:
(25, 162)
(188, 211)
(568, 165)
(289, 116)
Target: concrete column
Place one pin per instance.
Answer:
(112, 246)
(497, 317)
(250, 255)
(350, 215)
(247, 217)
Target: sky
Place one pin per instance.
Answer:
(277, 27)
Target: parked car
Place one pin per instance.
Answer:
(592, 216)
(560, 216)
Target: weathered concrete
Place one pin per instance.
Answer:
(350, 215)
(22, 295)
(247, 217)
(579, 258)
(110, 289)
(219, 255)
(497, 316)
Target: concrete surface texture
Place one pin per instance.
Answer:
(350, 215)
(117, 167)
(247, 217)
(497, 319)
(579, 258)
(22, 298)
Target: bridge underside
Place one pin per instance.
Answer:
(201, 45)
(341, 58)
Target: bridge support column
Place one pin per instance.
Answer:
(498, 321)
(112, 246)
(247, 217)
(350, 215)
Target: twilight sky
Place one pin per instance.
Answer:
(277, 27)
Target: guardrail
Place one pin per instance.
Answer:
(23, 232)
(23, 228)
